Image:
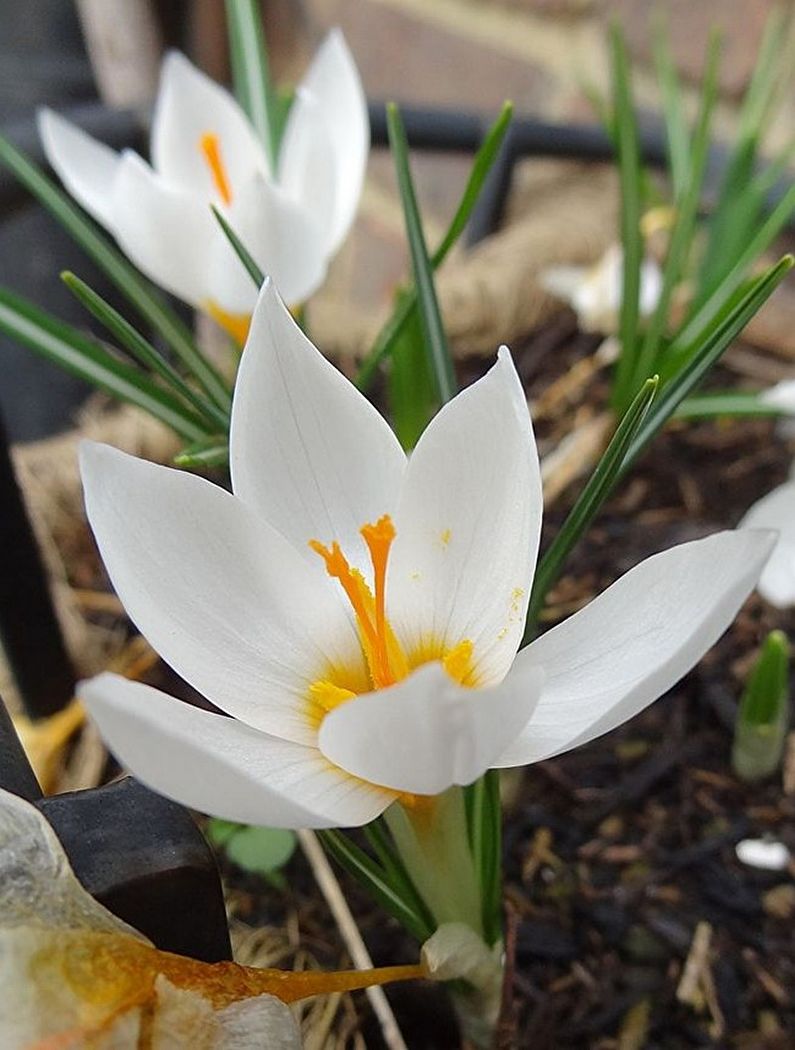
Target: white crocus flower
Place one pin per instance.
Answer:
(594, 292)
(358, 613)
(204, 151)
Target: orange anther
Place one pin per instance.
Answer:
(211, 149)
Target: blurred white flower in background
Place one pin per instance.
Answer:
(292, 219)
(594, 292)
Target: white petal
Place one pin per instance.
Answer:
(166, 231)
(285, 239)
(781, 396)
(222, 597)
(650, 287)
(333, 80)
(190, 105)
(307, 166)
(468, 526)
(307, 450)
(426, 733)
(87, 168)
(776, 510)
(220, 766)
(627, 647)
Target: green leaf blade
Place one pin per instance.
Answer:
(71, 350)
(588, 503)
(434, 336)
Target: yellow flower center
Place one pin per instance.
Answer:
(387, 662)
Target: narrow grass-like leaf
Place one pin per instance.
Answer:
(597, 489)
(718, 403)
(89, 360)
(763, 717)
(684, 227)
(738, 208)
(484, 816)
(413, 397)
(135, 288)
(710, 310)
(250, 72)
(395, 870)
(709, 344)
(373, 877)
(434, 337)
(631, 180)
(247, 259)
(142, 350)
(212, 452)
(676, 131)
(481, 166)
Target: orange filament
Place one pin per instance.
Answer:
(211, 149)
(236, 325)
(379, 539)
(385, 659)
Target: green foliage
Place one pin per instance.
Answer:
(763, 715)
(406, 304)
(379, 882)
(711, 258)
(260, 851)
(588, 503)
(434, 338)
(250, 72)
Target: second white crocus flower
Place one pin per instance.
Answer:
(594, 292)
(358, 613)
(204, 151)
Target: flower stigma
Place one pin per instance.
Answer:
(387, 662)
(210, 147)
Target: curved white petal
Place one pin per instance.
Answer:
(190, 105)
(307, 166)
(166, 231)
(86, 167)
(776, 510)
(333, 81)
(627, 647)
(220, 766)
(307, 451)
(285, 239)
(468, 526)
(426, 733)
(220, 595)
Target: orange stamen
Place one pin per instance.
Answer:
(379, 539)
(211, 149)
(352, 583)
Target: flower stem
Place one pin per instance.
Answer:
(433, 842)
